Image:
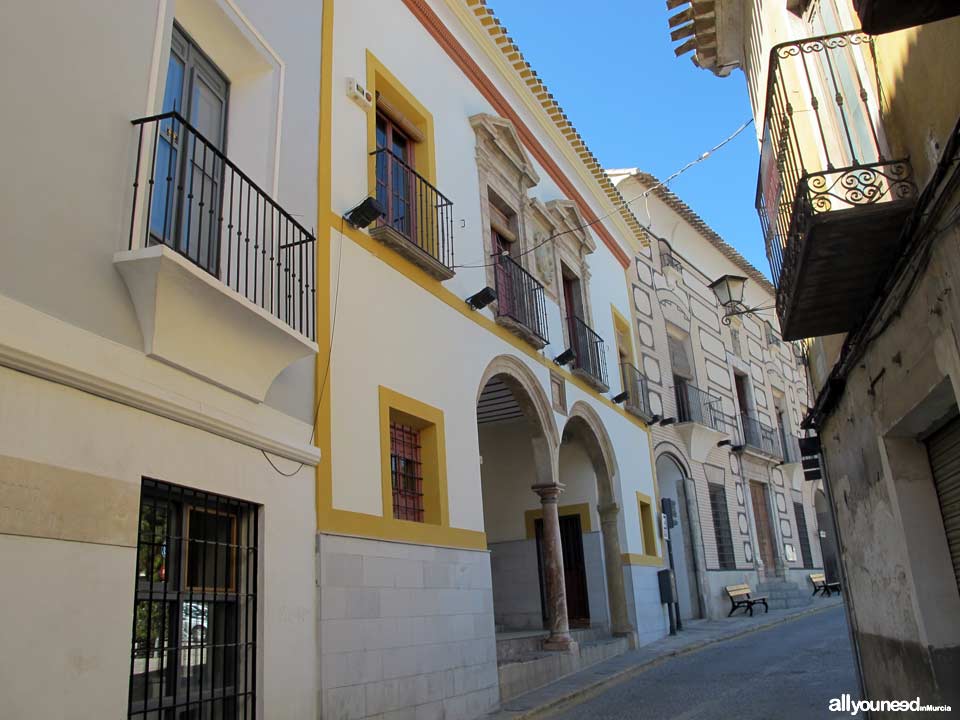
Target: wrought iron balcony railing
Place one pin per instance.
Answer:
(189, 196)
(589, 350)
(419, 216)
(638, 391)
(520, 297)
(825, 169)
(667, 258)
(698, 406)
(760, 436)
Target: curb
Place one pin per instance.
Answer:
(577, 696)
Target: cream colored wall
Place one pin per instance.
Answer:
(771, 368)
(68, 604)
(68, 132)
(389, 331)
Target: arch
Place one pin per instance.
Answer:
(584, 424)
(687, 559)
(585, 427)
(536, 408)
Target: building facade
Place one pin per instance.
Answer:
(857, 122)
(157, 357)
(730, 395)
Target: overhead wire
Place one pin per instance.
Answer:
(326, 371)
(626, 203)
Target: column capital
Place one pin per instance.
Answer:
(548, 492)
(608, 511)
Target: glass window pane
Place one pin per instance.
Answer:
(211, 555)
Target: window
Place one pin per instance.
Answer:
(394, 176)
(743, 393)
(803, 536)
(721, 527)
(195, 605)
(648, 527)
(406, 472)
(197, 90)
(413, 460)
(621, 329)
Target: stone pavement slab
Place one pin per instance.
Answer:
(696, 634)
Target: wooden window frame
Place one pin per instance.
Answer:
(648, 529)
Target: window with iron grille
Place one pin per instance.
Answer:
(721, 527)
(406, 472)
(193, 651)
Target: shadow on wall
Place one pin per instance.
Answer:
(921, 101)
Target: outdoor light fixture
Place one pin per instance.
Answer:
(729, 292)
(667, 421)
(654, 419)
(480, 300)
(622, 397)
(738, 448)
(365, 213)
(724, 442)
(565, 357)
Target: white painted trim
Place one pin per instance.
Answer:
(40, 345)
(282, 70)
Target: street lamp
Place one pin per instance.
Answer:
(729, 292)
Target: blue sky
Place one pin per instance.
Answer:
(611, 66)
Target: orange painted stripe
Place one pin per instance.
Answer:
(434, 25)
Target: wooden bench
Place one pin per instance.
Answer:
(820, 585)
(741, 597)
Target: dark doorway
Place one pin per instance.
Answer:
(574, 571)
(761, 515)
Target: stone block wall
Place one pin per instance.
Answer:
(405, 631)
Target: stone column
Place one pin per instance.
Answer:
(619, 620)
(556, 600)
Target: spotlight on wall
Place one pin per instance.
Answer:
(365, 213)
(737, 448)
(565, 357)
(667, 421)
(724, 442)
(654, 419)
(622, 397)
(480, 300)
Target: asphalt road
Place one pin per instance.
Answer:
(788, 672)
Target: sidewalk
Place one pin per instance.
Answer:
(696, 634)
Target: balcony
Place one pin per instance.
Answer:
(831, 202)
(590, 361)
(760, 437)
(521, 306)
(419, 219)
(221, 276)
(638, 393)
(701, 421)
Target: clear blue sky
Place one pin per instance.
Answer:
(610, 65)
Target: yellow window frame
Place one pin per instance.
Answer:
(428, 421)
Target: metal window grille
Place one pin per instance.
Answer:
(193, 649)
(406, 471)
(721, 527)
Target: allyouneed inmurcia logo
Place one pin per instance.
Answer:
(845, 703)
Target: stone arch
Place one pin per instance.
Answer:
(536, 408)
(687, 557)
(584, 426)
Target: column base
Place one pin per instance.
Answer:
(560, 643)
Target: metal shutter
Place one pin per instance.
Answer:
(943, 448)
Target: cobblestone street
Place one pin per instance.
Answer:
(787, 672)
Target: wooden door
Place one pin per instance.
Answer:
(761, 515)
(574, 570)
